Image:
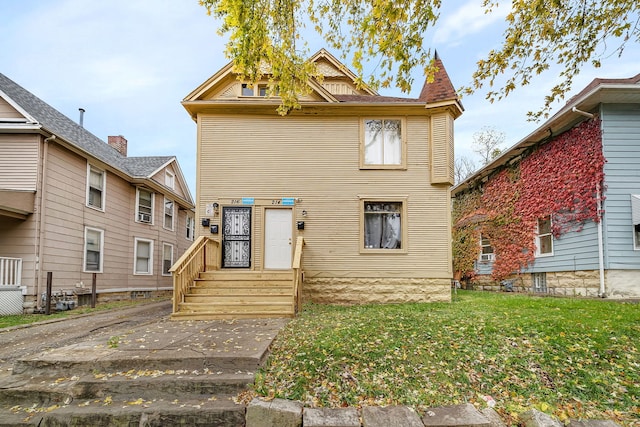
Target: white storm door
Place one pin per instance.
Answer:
(277, 239)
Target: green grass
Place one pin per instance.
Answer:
(572, 358)
(24, 319)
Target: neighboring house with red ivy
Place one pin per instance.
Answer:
(559, 212)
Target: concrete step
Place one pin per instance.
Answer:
(47, 391)
(218, 411)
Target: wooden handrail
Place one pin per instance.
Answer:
(201, 256)
(298, 272)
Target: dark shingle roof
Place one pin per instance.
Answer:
(53, 121)
(440, 89)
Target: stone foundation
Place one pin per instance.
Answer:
(376, 290)
(84, 300)
(584, 283)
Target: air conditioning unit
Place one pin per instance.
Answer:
(487, 257)
(144, 217)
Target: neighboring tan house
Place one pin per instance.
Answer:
(364, 178)
(74, 205)
(592, 249)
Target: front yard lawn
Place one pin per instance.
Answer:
(573, 358)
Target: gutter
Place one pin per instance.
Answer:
(41, 213)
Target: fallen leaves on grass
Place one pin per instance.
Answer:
(524, 352)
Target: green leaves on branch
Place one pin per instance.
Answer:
(390, 34)
(568, 34)
(265, 39)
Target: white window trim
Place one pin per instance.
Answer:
(169, 179)
(104, 187)
(537, 242)
(173, 214)
(84, 255)
(137, 218)
(488, 257)
(172, 253)
(635, 219)
(191, 228)
(135, 257)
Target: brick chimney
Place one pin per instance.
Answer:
(119, 143)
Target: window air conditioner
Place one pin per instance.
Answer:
(144, 217)
(487, 257)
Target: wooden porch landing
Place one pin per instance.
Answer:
(234, 294)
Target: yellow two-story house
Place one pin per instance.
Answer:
(364, 179)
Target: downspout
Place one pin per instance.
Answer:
(41, 213)
(601, 293)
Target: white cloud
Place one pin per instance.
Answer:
(466, 20)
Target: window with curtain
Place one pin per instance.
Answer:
(382, 225)
(144, 256)
(93, 250)
(95, 192)
(382, 143)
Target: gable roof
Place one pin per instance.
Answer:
(435, 94)
(578, 108)
(43, 118)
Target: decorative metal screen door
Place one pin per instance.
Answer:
(236, 237)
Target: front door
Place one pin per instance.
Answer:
(277, 239)
(236, 237)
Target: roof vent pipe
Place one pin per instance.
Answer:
(81, 117)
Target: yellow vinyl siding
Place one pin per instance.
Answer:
(18, 162)
(316, 159)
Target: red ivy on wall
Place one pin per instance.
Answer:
(559, 179)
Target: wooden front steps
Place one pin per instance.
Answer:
(238, 294)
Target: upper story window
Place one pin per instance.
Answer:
(486, 250)
(544, 238)
(168, 214)
(382, 144)
(258, 90)
(383, 225)
(169, 179)
(191, 225)
(635, 219)
(93, 246)
(95, 187)
(144, 206)
(247, 89)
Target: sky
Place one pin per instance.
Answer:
(129, 63)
